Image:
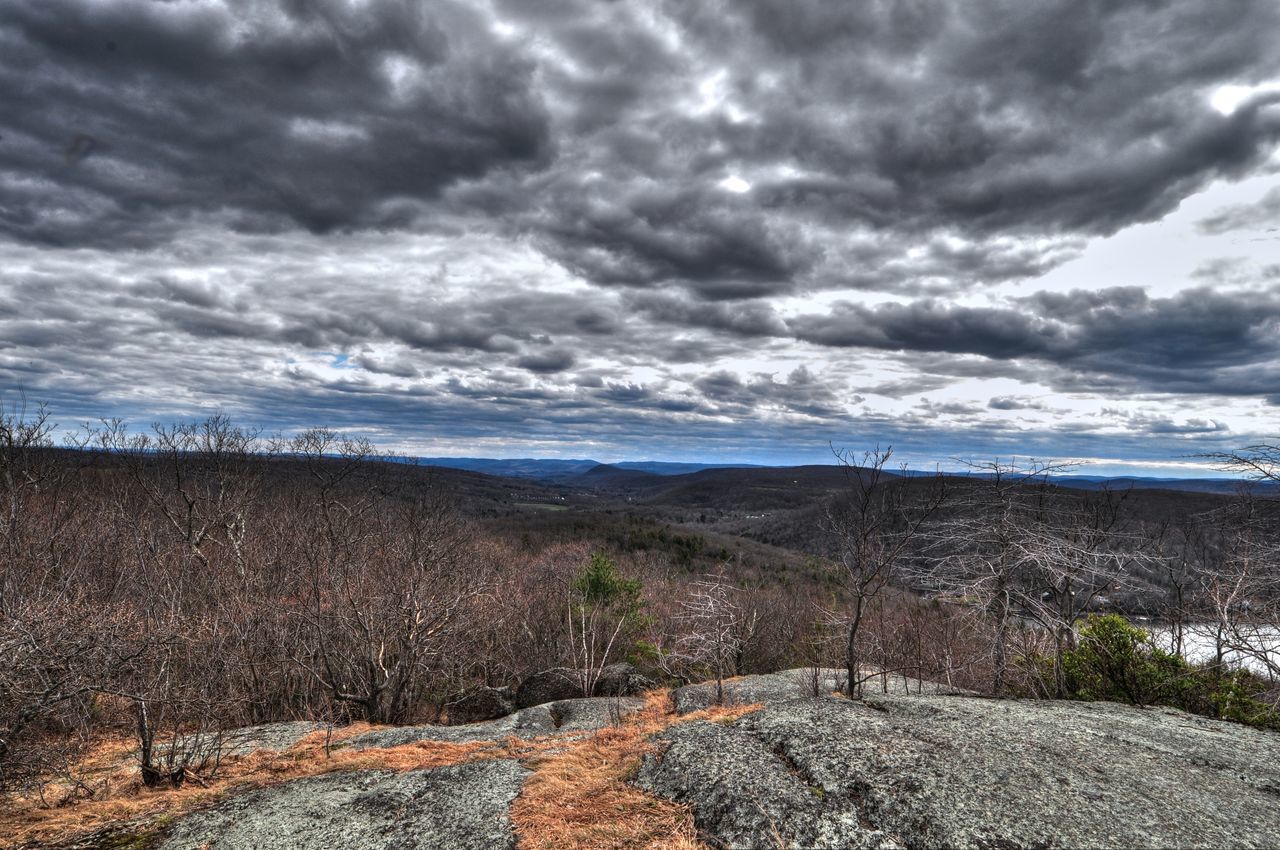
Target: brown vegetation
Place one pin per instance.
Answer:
(580, 798)
(169, 585)
(111, 769)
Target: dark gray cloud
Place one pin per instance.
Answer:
(672, 235)
(1164, 425)
(729, 221)
(903, 387)
(323, 115)
(1013, 403)
(605, 130)
(978, 118)
(1006, 115)
(744, 318)
(1199, 340)
(801, 392)
(547, 361)
(933, 410)
(928, 326)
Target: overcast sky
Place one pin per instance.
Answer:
(722, 231)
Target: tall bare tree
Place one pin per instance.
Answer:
(1243, 589)
(872, 529)
(712, 626)
(202, 477)
(386, 587)
(978, 551)
(1070, 555)
(1260, 462)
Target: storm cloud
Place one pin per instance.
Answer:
(740, 224)
(322, 115)
(1195, 339)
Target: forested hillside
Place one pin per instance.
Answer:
(171, 583)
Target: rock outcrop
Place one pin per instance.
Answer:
(622, 680)
(563, 683)
(560, 717)
(276, 737)
(800, 683)
(481, 704)
(940, 771)
(463, 806)
(895, 770)
(548, 686)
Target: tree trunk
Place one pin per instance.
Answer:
(999, 655)
(853, 667)
(1059, 657)
(151, 775)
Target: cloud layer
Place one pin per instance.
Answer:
(735, 227)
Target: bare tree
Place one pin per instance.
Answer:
(179, 708)
(50, 664)
(873, 529)
(384, 601)
(711, 634)
(1071, 555)
(1182, 555)
(978, 552)
(41, 513)
(1243, 589)
(1260, 462)
(25, 442)
(57, 645)
(202, 477)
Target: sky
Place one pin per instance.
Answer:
(740, 231)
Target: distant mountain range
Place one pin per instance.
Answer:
(1185, 485)
(627, 474)
(558, 470)
(549, 470)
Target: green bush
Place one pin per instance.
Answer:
(1116, 661)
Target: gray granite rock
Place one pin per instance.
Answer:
(276, 737)
(548, 686)
(450, 808)
(622, 680)
(946, 771)
(795, 684)
(563, 716)
(481, 704)
(562, 683)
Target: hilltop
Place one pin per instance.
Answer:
(783, 763)
(588, 473)
(171, 589)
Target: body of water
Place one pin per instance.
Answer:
(1200, 644)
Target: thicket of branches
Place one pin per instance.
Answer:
(184, 579)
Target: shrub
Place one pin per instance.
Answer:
(1114, 660)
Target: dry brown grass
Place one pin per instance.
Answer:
(120, 795)
(580, 798)
(577, 797)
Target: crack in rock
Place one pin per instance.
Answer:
(930, 771)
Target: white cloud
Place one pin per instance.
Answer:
(1227, 99)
